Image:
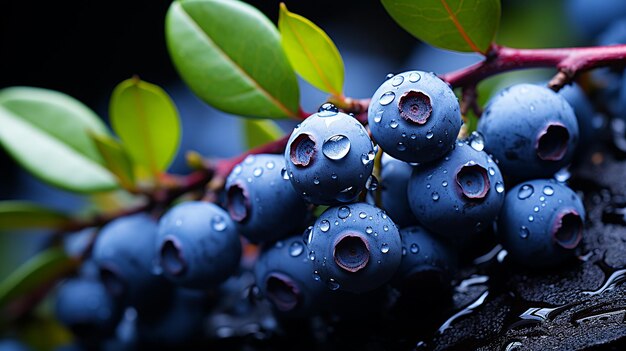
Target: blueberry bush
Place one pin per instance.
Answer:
(349, 230)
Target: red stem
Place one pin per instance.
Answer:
(569, 62)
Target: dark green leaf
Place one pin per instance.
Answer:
(259, 132)
(22, 214)
(42, 269)
(230, 55)
(460, 25)
(311, 52)
(116, 159)
(146, 120)
(48, 134)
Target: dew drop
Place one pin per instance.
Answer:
(237, 169)
(270, 165)
(312, 255)
(403, 251)
(324, 225)
(343, 212)
(284, 174)
(389, 76)
(316, 181)
(368, 157)
(387, 98)
(499, 187)
(249, 159)
(491, 171)
(476, 141)
(562, 175)
(444, 183)
(336, 147)
(386, 228)
(413, 136)
(379, 116)
(327, 110)
(397, 80)
(435, 196)
(384, 248)
(401, 147)
(531, 218)
(429, 135)
(523, 232)
(362, 215)
(257, 172)
(414, 77)
(369, 230)
(333, 176)
(332, 284)
(393, 124)
(414, 248)
(316, 276)
(536, 209)
(295, 249)
(525, 191)
(218, 223)
(428, 186)
(548, 190)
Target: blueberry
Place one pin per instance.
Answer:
(329, 157)
(12, 345)
(541, 223)
(284, 275)
(530, 130)
(198, 245)
(263, 204)
(180, 321)
(86, 308)
(126, 266)
(458, 195)
(354, 247)
(394, 181)
(415, 117)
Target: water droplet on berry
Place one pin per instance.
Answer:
(387, 98)
(444, 183)
(343, 212)
(531, 218)
(369, 230)
(379, 116)
(249, 159)
(295, 249)
(333, 176)
(327, 110)
(401, 147)
(476, 141)
(324, 226)
(384, 248)
(316, 276)
(270, 165)
(548, 190)
(312, 255)
(362, 215)
(525, 191)
(218, 223)
(397, 80)
(389, 76)
(414, 248)
(414, 77)
(257, 172)
(393, 124)
(523, 232)
(371, 184)
(491, 171)
(336, 147)
(413, 136)
(403, 251)
(562, 175)
(284, 174)
(386, 228)
(237, 169)
(499, 187)
(333, 284)
(429, 135)
(368, 157)
(435, 196)
(536, 209)
(316, 181)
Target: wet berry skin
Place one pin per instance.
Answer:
(531, 131)
(263, 205)
(86, 308)
(284, 275)
(415, 117)
(125, 263)
(329, 157)
(541, 223)
(198, 245)
(394, 180)
(457, 196)
(354, 247)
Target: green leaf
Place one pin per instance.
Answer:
(230, 55)
(116, 159)
(259, 132)
(22, 214)
(42, 269)
(146, 120)
(459, 25)
(311, 52)
(47, 133)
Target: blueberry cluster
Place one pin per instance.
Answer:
(438, 195)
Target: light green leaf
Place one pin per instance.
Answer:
(47, 133)
(22, 214)
(42, 269)
(311, 52)
(229, 54)
(146, 120)
(116, 159)
(459, 25)
(259, 132)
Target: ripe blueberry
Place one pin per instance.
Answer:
(126, 266)
(197, 245)
(458, 195)
(530, 130)
(284, 275)
(415, 117)
(264, 205)
(85, 307)
(394, 181)
(541, 223)
(329, 157)
(354, 247)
